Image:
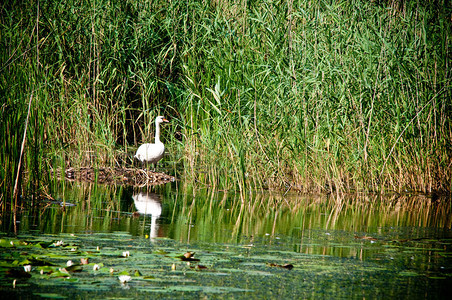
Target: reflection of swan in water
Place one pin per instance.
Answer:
(149, 204)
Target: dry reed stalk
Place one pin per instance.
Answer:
(22, 149)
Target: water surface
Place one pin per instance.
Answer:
(357, 246)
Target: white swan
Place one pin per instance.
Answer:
(152, 153)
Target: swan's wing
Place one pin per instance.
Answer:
(150, 152)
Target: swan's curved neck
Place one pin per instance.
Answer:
(157, 132)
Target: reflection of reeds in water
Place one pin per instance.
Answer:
(148, 203)
(80, 206)
(97, 206)
(222, 217)
(77, 207)
(343, 227)
(395, 210)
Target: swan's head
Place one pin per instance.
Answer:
(160, 119)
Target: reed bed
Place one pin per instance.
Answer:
(326, 96)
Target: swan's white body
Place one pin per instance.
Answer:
(152, 153)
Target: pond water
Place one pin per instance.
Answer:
(175, 242)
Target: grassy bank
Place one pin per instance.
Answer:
(324, 96)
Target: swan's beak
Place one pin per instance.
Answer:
(165, 120)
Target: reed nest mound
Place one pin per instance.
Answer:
(124, 176)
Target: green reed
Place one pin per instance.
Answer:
(330, 96)
(327, 102)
